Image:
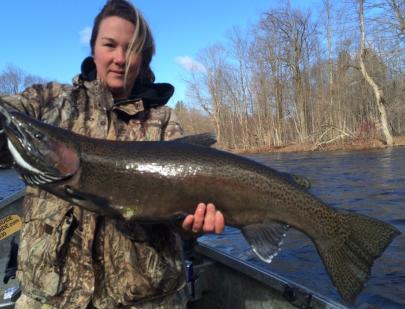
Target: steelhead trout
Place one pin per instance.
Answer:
(162, 181)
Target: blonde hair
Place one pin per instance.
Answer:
(142, 41)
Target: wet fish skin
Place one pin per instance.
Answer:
(158, 181)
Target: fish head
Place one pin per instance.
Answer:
(41, 152)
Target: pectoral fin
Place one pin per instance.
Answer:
(265, 239)
(91, 202)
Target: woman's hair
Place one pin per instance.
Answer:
(142, 41)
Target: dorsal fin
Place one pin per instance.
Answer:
(203, 139)
(265, 239)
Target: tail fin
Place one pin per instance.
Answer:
(349, 261)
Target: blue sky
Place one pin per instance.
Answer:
(48, 37)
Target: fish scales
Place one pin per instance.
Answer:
(207, 175)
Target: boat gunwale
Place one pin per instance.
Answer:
(268, 278)
(12, 198)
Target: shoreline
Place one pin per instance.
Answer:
(349, 145)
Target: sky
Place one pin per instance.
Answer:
(50, 38)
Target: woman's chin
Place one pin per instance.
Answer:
(118, 91)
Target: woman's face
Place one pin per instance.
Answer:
(114, 37)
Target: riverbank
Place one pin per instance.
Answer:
(349, 145)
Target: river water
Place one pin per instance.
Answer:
(365, 182)
(9, 183)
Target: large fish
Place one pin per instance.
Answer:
(162, 181)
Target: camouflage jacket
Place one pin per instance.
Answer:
(70, 257)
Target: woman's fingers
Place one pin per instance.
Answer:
(219, 222)
(206, 219)
(188, 222)
(199, 218)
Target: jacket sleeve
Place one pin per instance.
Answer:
(29, 101)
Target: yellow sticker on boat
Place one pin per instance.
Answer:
(9, 225)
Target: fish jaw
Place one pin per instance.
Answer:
(39, 150)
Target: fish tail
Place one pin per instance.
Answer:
(349, 260)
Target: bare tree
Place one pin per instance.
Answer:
(282, 85)
(207, 86)
(399, 8)
(30, 79)
(378, 92)
(13, 80)
(270, 84)
(192, 120)
(294, 30)
(328, 9)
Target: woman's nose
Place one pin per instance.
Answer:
(119, 56)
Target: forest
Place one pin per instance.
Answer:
(302, 77)
(327, 76)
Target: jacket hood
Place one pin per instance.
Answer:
(152, 94)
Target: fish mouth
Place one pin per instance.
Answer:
(34, 153)
(16, 136)
(12, 130)
(17, 139)
(5, 119)
(31, 174)
(9, 126)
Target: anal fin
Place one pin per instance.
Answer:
(265, 239)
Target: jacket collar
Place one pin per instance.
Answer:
(151, 94)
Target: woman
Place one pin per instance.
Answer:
(73, 258)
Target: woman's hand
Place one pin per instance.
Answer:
(206, 219)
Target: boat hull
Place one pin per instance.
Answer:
(11, 205)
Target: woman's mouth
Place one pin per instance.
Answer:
(115, 72)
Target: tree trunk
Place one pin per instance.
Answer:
(397, 9)
(378, 93)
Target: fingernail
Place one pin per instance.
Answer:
(201, 207)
